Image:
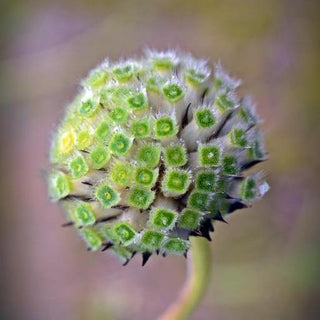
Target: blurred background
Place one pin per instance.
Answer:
(266, 260)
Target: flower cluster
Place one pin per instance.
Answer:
(151, 151)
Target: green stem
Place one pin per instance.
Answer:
(199, 269)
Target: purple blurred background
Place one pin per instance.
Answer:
(266, 260)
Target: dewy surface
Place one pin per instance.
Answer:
(151, 151)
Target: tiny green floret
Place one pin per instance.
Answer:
(247, 116)
(119, 115)
(97, 78)
(88, 108)
(107, 196)
(255, 151)
(138, 102)
(78, 167)
(223, 103)
(195, 78)
(209, 155)
(141, 198)
(121, 174)
(199, 200)
(83, 140)
(238, 138)
(206, 181)
(165, 127)
(173, 92)
(204, 118)
(222, 184)
(176, 182)
(141, 128)
(99, 157)
(229, 165)
(123, 73)
(103, 131)
(175, 156)
(176, 246)
(120, 144)
(154, 84)
(189, 219)
(65, 142)
(152, 240)
(163, 218)
(92, 237)
(125, 233)
(59, 185)
(146, 177)
(162, 64)
(149, 155)
(83, 215)
(248, 189)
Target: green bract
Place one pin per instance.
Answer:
(151, 151)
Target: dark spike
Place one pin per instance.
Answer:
(77, 197)
(85, 151)
(107, 246)
(157, 252)
(126, 262)
(206, 234)
(195, 233)
(185, 117)
(203, 95)
(252, 163)
(209, 225)
(145, 257)
(237, 205)
(164, 254)
(101, 105)
(67, 224)
(133, 254)
(202, 232)
(104, 219)
(87, 183)
(185, 254)
(218, 216)
(121, 207)
(216, 133)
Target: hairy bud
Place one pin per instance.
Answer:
(151, 151)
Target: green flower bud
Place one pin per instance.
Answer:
(152, 151)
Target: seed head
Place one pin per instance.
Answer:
(153, 150)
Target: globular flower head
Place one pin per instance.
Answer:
(151, 151)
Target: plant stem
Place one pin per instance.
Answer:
(199, 269)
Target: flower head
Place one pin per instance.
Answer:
(153, 150)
